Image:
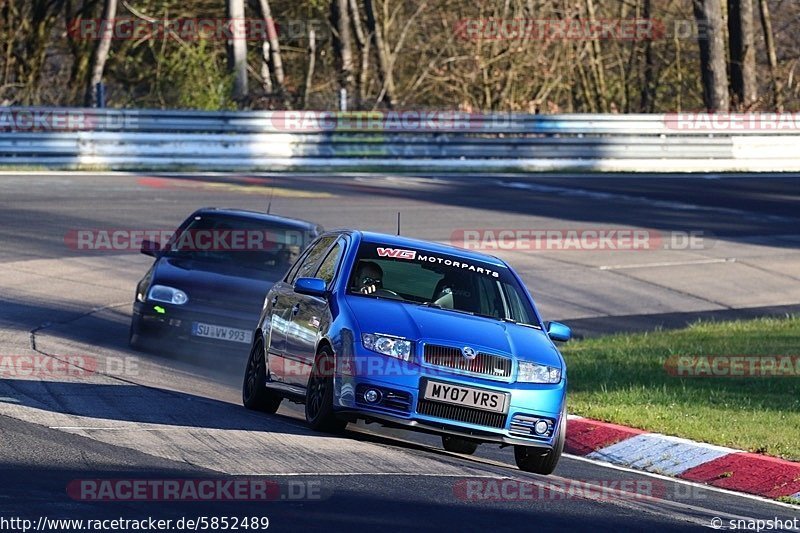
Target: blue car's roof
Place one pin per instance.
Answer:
(406, 242)
(245, 213)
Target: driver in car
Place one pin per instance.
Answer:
(287, 257)
(369, 277)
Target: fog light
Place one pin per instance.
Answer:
(541, 427)
(372, 396)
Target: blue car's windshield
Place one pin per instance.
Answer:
(249, 243)
(440, 280)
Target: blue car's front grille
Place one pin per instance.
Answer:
(486, 365)
(461, 414)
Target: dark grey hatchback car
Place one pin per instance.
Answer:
(208, 282)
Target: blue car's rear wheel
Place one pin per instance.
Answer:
(255, 394)
(319, 395)
(538, 461)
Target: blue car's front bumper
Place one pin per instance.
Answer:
(401, 386)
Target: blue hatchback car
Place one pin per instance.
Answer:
(412, 334)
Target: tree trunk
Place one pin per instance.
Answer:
(742, 51)
(708, 14)
(385, 71)
(343, 44)
(238, 48)
(275, 59)
(648, 94)
(100, 54)
(363, 51)
(597, 67)
(266, 74)
(312, 58)
(772, 56)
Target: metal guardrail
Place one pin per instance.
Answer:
(396, 141)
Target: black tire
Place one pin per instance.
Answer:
(537, 461)
(459, 445)
(256, 396)
(319, 395)
(135, 336)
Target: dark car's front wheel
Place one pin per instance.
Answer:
(319, 395)
(459, 445)
(135, 334)
(537, 461)
(255, 394)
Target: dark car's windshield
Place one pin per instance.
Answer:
(246, 242)
(440, 280)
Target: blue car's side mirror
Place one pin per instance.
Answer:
(558, 331)
(310, 286)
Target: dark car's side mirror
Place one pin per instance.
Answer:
(310, 286)
(150, 248)
(558, 331)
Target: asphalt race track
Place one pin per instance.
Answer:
(163, 416)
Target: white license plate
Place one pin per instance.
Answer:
(467, 396)
(210, 331)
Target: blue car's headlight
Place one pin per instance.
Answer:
(170, 295)
(533, 373)
(386, 345)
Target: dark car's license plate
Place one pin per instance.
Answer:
(466, 396)
(211, 331)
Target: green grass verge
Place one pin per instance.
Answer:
(622, 379)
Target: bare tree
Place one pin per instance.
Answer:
(742, 52)
(708, 14)
(271, 54)
(238, 49)
(312, 57)
(100, 55)
(772, 55)
(648, 89)
(342, 44)
(383, 54)
(363, 50)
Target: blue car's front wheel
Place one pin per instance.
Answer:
(319, 395)
(531, 459)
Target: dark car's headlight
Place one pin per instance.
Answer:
(535, 373)
(170, 295)
(387, 345)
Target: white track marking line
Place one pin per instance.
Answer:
(348, 474)
(668, 264)
(90, 428)
(711, 488)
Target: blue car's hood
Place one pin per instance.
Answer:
(447, 327)
(210, 283)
